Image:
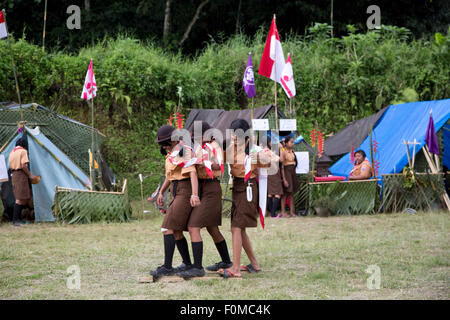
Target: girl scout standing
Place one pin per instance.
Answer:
(209, 213)
(290, 180)
(274, 181)
(244, 209)
(184, 187)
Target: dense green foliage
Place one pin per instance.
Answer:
(218, 19)
(337, 79)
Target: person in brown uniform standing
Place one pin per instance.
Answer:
(290, 180)
(244, 210)
(183, 183)
(18, 164)
(274, 181)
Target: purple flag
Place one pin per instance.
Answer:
(431, 138)
(249, 78)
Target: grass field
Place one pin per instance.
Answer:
(302, 258)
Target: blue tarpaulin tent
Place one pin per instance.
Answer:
(446, 138)
(55, 169)
(401, 122)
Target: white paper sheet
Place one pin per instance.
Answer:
(3, 169)
(302, 162)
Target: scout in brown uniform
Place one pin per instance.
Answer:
(244, 213)
(209, 213)
(18, 164)
(184, 186)
(290, 180)
(274, 181)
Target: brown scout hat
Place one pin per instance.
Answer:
(164, 133)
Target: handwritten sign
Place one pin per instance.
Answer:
(288, 124)
(260, 124)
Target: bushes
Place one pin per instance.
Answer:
(338, 80)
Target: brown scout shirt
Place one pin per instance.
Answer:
(17, 158)
(238, 167)
(289, 158)
(174, 172)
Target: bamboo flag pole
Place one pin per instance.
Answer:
(13, 65)
(275, 88)
(253, 105)
(93, 145)
(45, 23)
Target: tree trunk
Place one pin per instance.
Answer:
(166, 28)
(87, 5)
(237, 18)
(193, 21)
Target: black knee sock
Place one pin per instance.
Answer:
(275, 204)
(197, 252)
(17, 215)
(223, 251)
(269, 203)
(183, 248)
(169, 249)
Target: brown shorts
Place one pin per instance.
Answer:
(21, 185)
(275, 184)
(209, 212)
(244, 214)
(291, 177)
(179, 210)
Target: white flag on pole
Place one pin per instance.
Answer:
(3, 32)
(90, 86)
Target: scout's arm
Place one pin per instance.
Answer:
(160, 199)
(195, 200)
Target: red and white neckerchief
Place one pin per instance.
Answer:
(17, 148)
(207, 161)
(248, 163)
(174, 156)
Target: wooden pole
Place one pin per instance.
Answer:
(142, 195)
(93, 146)
(275, 89)
(434, 170)
(13, 65)
(90, 167)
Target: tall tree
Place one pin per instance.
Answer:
(166, 28)
(193, 21)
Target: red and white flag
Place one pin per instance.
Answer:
(90, 86)
(3, 32)
(272, 61)
(287, 78)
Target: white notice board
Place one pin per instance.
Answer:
(260, 124)
(3, 169)
(288, 124)
(302, 162)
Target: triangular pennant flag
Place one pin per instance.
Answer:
(431, 137)
(249, 78)
(287, 79)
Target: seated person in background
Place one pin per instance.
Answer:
(362, 168)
